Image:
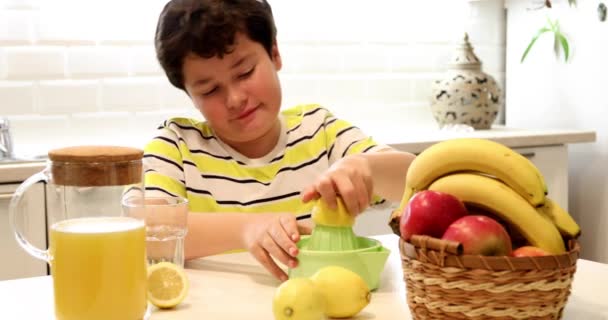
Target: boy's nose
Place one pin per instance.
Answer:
(236, 98)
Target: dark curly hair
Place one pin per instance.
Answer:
(207, 28)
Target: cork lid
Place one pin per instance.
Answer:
(88, 154)
(96, 166)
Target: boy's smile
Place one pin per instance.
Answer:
(239, 95)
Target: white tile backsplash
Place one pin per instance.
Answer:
(15, 27)
(143, 61)
(56, 26)
(16, 97)
(35, 62)
(69, 61)
(68, 96)
(97, 61)
(173, 98)
(133, 94)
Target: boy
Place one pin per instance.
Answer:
(250, 169)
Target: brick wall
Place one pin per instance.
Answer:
(85, 72)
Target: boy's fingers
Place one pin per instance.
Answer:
(266, 261)
(362, 194)
(305, 227)
(326, 190)
(289, 226)
(348, 193)
(275, 250)
(309, 193)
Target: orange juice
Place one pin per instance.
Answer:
(98, 267)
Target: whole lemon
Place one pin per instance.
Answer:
(345, 292)
(298, 299)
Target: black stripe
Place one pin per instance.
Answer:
(199, 151)
(154, 170)
(330, 121)
(305, 137)
(311, 112)
(368, 148)
(167, 140)
(189, 163)
(183, 127)
(161, 190)
(132, 188)
(248, 203)
(302, 165)
(164, 160)
(278, 158)
(294, 128)
(190, 189)
(331, 149)
(350, 145)
(244, 181)
(258, 201)
(345, 130)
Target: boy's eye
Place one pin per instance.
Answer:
(247, 74)
(209, 92)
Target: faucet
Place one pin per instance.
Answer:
(6, 142)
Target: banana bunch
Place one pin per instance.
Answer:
(492, 176)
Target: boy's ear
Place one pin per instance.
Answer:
(276, 56)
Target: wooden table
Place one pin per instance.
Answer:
(234, 286)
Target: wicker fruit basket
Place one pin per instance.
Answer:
(444, 284)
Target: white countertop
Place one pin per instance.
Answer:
(416, 140)
(407, 139)
(235, 286)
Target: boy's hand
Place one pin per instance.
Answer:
(350, 178)
(274, 236)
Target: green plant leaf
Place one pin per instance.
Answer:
(564, 42)
(538, 34)
(572, 3)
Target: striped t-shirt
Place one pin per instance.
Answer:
(187, 159)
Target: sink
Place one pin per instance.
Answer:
(23, 160)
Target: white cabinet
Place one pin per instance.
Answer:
(552, 161)
(16, 263)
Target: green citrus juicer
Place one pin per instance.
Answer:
(333, 242)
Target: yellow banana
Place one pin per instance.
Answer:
(561, 218)
(482, 155)
(495, 196)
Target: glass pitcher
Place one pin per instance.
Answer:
(96, 252)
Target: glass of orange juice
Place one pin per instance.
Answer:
(96, 251)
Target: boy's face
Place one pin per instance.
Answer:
(240, 94)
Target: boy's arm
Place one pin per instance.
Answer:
(263, 235)
(388, 172)
(355, 178)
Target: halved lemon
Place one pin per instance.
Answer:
(167, 284)
(322, 214)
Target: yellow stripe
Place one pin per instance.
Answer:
(164, 149)
(295, 155)
(154, 179)
(360, 146)
(205, 203)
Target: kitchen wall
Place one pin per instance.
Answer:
(85, 71)
(545, 92)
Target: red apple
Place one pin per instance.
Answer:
(479, 235)
(529, 251)
(430, 213)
